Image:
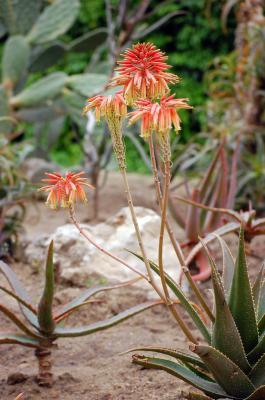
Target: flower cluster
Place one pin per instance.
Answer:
(143, 74)
(64, 191)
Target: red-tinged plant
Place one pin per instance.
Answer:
(229, 364)
(43, 326)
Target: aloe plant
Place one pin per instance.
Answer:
(43, 323)
(230, 365)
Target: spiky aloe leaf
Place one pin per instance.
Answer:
(258, 351)
(228, 266)
(259, 394)
(256, 288)
(45, 317)
(20, 324)
(11, 338)
(54, 21)
(47, 57)
(20, 291)
(178, 354)
(105, 324)
(91, 292)
(257, 374)
(229, 343)
(183, 300)
(19, 16)
(241, 301)
(46, 88)
(87, 84)
(15, 60)
(261, 306)
(228, 374)
(89, 41)
(181, 372)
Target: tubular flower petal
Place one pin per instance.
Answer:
(114, 109)
(64, 191)
(158, 117)
(142, 72)
(109, 107)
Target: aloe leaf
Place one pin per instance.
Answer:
(19, 299)
(229, 343)
(261, 307)
(15, 60)
(241, 301)
(21, 292)
(54, 21)
(182, 298)
(181, 372)
(192, 225)
(257, 374)
(259, 394)
(45, 317)
(261, 325)
(105, 324)
(89, 41)
(178, 354)
(223, 230)
(11, 338)
(228, 266)
(17, 321)
(228, 374)
(256, 289)
(91, 292)
(258, 351)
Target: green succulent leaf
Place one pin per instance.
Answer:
(54, 21)
(241, 301)
(20, 324)
(255, 354)
(183, 300)
(78, 301)
(228, 266)
(20, 292)
(87, 84)
(105, 324)
(89, 41)
(261, 307)
(228, 374)
(19, 299)
(19, 15)
(178, 354)
(181, 372)
(257, 374)
(259, 394)
(15, 60)
(45, 317)
(11, 338)
(39, 92)
(46, 57)
(229, 343)
(5, 124)
(261, 325)
(256, 289)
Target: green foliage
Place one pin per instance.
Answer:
(233, 364)
(43, 323)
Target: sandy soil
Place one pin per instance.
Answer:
(91, 368)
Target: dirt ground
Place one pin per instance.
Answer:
(91, 367)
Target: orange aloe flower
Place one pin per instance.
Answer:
(158, 117)
(142, 72)
(64, 191)
(109, 107)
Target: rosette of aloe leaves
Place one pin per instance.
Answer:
(41, 326)
(231, 364)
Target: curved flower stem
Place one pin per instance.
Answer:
(165, 152)
(84, 233)
(138, 233)
(173, 240)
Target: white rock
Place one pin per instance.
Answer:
(78, 260)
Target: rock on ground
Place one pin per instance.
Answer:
(80, 263)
